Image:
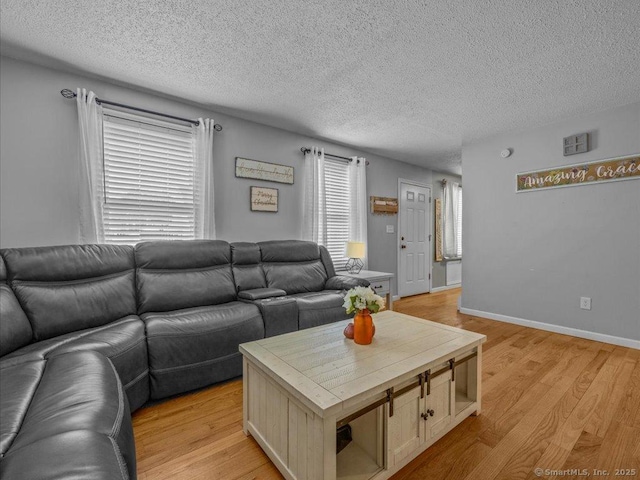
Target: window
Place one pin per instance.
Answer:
(452, 221)
(335, 203)
(148, 179)
(459, 225)
(338, 194)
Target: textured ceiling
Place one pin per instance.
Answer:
(411, 80)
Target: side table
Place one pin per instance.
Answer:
(380, 283)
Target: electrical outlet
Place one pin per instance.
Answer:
(585, 303)
(389, 228)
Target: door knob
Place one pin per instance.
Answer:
(430, 412)
(424, 416)
(403, 246)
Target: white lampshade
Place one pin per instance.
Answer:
(355, 250)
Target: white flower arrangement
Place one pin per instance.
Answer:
(359, 298)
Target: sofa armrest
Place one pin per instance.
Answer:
(279, 314)
(260, 293)
(342, 282)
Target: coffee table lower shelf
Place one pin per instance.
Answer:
(353, 463)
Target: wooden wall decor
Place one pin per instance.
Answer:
(264, 199)
(438, 217)
(384, 205)
(600, 171)
(271, 172)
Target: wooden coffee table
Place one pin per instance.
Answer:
(413, 384)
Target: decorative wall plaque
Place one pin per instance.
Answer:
(264, 199)
(271, 172)
(384, 205)
(600, 171)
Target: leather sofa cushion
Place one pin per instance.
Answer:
(260, 293)
(293, 265)
(15, 329)
(19, 384)
(74, 455)
(56, 308)
(177, 275)
(123, 342)
(342, 282)
(319, 300)
(326, 261)
(245, 253)
(248, 277)
(296, 277)
(74, 392)
(185, 345)
(79, 391)
(3, 271)
(280, 315)
(182, 255)
(247, 269)
(67, 262)
(289, 251)
(67, 288)
(320, 308)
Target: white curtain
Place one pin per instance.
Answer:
(91, 170)
(451, 220)
(314, 225)
(358, 201)
(205, 226)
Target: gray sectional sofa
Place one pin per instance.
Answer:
(90, 333)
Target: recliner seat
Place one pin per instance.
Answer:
(65, 417)
(80, 297)
(301, 277)
(194, 322)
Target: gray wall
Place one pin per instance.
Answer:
(39, 165)
(439, 269)
(532, 255)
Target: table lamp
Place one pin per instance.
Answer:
(355, 252)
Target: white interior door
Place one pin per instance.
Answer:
(414, 272)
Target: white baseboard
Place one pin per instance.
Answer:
(599, 337)
(446, 287)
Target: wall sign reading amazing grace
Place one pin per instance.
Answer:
(600, 171)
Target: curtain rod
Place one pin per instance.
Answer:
(306, 150)
(444, 182)
(66, 93)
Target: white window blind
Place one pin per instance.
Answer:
(337, 188)
(148, 180)
(459, 225)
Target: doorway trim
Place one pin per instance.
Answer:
(429, 232)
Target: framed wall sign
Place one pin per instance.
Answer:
(599, 171)
(271, 172)
(264, 199)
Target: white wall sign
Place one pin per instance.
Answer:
(264, 199)
(272, 172)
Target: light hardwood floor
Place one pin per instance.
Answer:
(549, 401)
